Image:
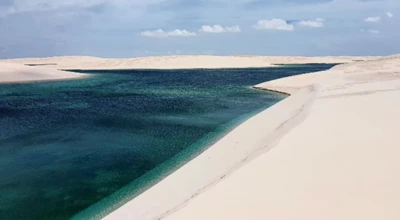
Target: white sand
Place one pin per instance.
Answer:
(330, 151)
(12, 73)
(178, 62)
(17, 70)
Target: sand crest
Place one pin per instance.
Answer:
(340, 162)
(330, 151)
(177, 62)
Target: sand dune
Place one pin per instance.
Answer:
(340, 162)
(34, 69)
(11, 73)
(178, 62)
(330, 151)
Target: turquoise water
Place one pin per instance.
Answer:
(84, 147)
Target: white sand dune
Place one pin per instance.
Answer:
(12, 73)
(178, 62)
(329, 151)
(35, 69)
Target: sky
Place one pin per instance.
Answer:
(133, 28)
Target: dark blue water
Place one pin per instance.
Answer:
(65, 146)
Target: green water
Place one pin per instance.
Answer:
(84, 147)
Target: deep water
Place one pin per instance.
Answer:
(64, 146)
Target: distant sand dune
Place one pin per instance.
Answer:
(179, 62)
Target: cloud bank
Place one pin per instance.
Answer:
(85, 27)
(274, 24)
(216, 29)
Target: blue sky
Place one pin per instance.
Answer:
(131, 28)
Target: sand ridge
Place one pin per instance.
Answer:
(329, 151)
(339, 163)
(178, 62)
(47, 68)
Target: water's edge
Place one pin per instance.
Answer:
(111, 203)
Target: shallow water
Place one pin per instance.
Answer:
(65, 146)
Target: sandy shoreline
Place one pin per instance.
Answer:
(242, 144)
(337, 163)
(327, 158)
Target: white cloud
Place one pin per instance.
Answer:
(374, 31)
(276, 24)
(373, 19)
(390, 15)
(318, 23)
(181, 33)
(219, 29)
(162, 34)
(212, 29)
(156, 34)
